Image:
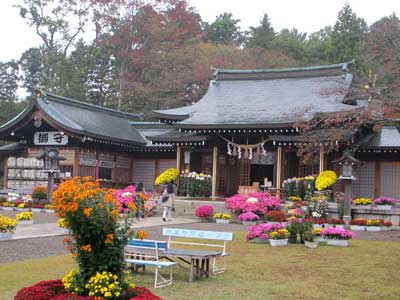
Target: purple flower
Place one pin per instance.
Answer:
(248, 216)
(385, 201)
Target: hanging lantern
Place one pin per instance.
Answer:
(264, 152)
(229, 149)
(239, 152)
(250, 153)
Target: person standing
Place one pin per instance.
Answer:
(139, 200)
(168, 199)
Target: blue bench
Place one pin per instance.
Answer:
(147, 253)
(220, 241)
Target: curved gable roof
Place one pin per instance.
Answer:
(83, 119)
(266, 97)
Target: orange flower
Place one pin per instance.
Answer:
(115, 214)
(87, 212)
(87, 248)
(132, 206)
(109, 239)
(142, 234)
(74, 254)
(86, 178)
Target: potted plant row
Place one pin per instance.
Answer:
(278, 237)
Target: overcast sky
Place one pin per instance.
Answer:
(306, 15)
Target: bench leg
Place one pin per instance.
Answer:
(191, 270)
(216, 269)
(161, 281)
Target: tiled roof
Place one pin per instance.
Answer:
(243, 98)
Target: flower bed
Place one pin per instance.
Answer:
(54, 290)
(258, 203)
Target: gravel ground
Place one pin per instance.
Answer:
(14, 250)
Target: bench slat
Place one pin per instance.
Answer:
(162, 264)
(147, 244)
(199, 234)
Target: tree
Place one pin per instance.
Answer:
(347, 36)
(224, 30)
(8, 81)
(292, 43)
(51, 20)
(319, 46)
(382, 53)
(262, 35)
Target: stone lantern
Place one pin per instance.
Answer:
(347, 164)
(51, 164)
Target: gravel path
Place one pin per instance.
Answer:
(14, 250)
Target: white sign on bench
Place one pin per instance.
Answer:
(173, 233)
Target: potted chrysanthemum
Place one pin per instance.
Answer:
(374, 225)
(7, 227)
(310, 240)
(384, 203)
(337, 236)
(222, 218)
(248, 218)
(278, 237)
(24, 218)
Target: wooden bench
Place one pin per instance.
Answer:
(222, 237)
(147, 253)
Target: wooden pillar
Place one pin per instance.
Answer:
(321, 159)
(5, 177)
(378, 177)
(347, 200)
(178, 163)
(75, 164)
(214, 172)
(279, 171)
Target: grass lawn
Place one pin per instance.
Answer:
(365, 270)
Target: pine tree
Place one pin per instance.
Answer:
(262, 35)
(347, 36)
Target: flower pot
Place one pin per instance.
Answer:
(21, 209)
(341, 226)
(278, 243)
(222, 221)
(249, 223)
(6, 235)
(340, 243)
(362, 207)
(374, 228)
(357, 227)
(320, 239)
(25, 222)
(319, 225)
(384, 207)
(292, 238)
(311, 245)
(8, 208)
(261, 241)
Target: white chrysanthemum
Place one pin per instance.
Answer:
(252, 200)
